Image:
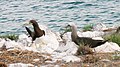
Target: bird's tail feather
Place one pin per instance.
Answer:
(105, 41)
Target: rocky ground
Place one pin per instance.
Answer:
(52, 51)
(44, 60)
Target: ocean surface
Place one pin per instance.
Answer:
(56, 13)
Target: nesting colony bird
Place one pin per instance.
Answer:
(37, 31)
(83, 40)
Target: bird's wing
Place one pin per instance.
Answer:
(82, 40)
(29, 32)
(89, 41)
(101, 41)
(96, 43)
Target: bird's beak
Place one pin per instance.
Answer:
(26, 23)
(67, 28)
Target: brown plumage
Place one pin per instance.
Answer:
(37, 31)
(84, 40)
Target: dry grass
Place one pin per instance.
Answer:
(2, 64)
(83, 50)
(17, 56)
(88, 60)
(92, 59)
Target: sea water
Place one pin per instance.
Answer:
(56, 13)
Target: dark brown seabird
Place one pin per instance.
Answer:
(37, 31)
(84, 40)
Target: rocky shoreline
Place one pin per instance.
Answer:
(52, 51)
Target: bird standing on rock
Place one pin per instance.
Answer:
(83, 40)
(37, 31)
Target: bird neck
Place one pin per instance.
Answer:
(36, 28)
(74, 33)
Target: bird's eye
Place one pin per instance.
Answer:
(68, 25)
